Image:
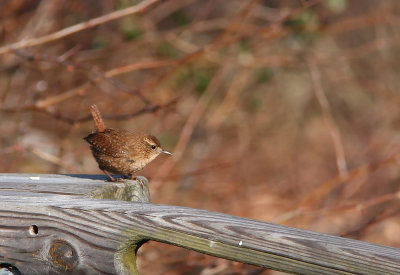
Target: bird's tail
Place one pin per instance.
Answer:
(98, 120)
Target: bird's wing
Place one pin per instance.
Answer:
(108, 142)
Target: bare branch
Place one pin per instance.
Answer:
(78, 27)
(330, 122)
(99, 75)
(362, 171)
(145, 110)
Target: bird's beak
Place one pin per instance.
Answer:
(166, 152)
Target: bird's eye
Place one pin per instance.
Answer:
(153, 147)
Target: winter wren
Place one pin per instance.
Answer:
(119, 151)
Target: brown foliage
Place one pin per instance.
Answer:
(282, 111)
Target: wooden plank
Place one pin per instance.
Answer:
(51, 183)
(78, 234)
(94, 186)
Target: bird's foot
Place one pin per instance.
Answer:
(141, 180)
(110, 178)
(121, 178)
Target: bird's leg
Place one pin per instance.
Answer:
(111, 178)
(141, 180)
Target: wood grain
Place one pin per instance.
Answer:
(79, 235)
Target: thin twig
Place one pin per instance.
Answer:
(81, 90)
(315, 212)
(98, 74)
(375, 219)
(315, 197)
(198, 172)
(146, 109)
(327, 115)
(70, 120)
(145, 64)
(78, 27)
(221, 41)
(187, 130)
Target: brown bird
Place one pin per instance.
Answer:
(119, 151)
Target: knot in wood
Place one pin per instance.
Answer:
(63, 255)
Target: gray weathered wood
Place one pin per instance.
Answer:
(79, 234)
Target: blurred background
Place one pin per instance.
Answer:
(282, 111)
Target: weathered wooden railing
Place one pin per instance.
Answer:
(49, 225)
